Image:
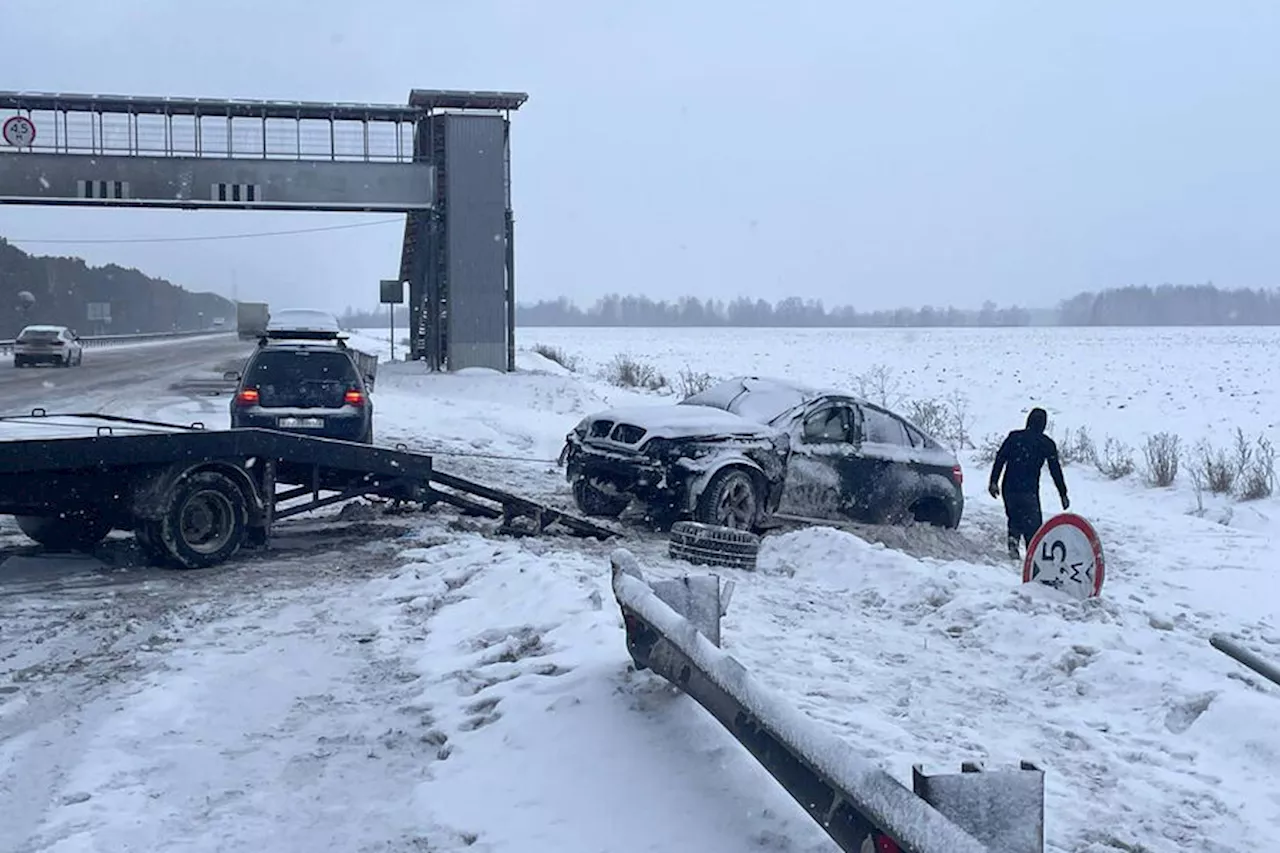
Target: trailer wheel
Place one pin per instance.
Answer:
(205, 521)
(65, 533)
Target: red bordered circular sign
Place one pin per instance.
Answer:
(1066, 554)
(19, 131)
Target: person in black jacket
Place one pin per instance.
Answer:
(1021, 456)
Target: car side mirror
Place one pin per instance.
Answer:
(231, 376)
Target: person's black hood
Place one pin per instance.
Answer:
(1037, 419)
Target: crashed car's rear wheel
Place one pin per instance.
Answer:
(730, 500)
(594, 501)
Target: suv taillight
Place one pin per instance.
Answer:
(957, 475)
(354, 398)
(247, 397)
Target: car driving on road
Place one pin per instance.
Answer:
(750, 446)
(304, 378)
(56, 345)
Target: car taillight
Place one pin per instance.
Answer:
(354, 398)
(247, 397)
(957, 475)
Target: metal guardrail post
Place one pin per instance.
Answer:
(1241, 655)
(855, 802)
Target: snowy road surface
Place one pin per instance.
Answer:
(413, 683)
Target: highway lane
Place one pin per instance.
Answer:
(115, 378)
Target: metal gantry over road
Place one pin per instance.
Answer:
(443, 159)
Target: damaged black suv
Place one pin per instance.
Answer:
(749, 447)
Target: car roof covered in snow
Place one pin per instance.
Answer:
(760, 398)
(303, 320)
(39, 327)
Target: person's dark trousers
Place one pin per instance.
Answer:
(1022, 509)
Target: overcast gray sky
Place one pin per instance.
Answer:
(877, 154)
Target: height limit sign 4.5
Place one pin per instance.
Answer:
(19, 131)
(1066, 554)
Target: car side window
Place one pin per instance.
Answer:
(830, 425)
(883, 428)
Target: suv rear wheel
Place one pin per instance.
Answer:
(730, 500)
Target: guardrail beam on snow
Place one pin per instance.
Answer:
(855, 802)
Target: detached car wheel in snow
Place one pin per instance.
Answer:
(730, 500)
(65, 533)
(594, 501)
(204, 523)
(711, 545)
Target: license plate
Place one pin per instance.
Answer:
(301, 423)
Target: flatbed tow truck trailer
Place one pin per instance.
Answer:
(193, 497)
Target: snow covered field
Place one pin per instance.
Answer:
(435, 688)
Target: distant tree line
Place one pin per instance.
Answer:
(61, 290)
(1172, 305)
(1166, 305)
(615, 310)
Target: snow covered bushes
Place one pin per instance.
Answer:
(557, 355)
(628, 372)
(1077, 447)
(1258, 476)
(990, 446)
(689, 383)
(1116, 459)
(1249, 472)
(1162, 454)
(946, 420)
(879, 385)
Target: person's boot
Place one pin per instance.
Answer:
(1013, 549)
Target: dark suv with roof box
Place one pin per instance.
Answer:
(306, 380)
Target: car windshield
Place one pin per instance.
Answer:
(302, 378)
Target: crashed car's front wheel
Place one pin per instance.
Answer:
(594, 501)
(730, 500)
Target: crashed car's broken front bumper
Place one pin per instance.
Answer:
(649, 478)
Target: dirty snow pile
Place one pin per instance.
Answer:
(480, 696)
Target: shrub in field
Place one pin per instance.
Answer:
(557, 355)
(1161, 456)
(931, 416)
(946, 420)
(1116, 459)
(879, 385)
(628, 372)
(990, 446)
(1077, 446)
(1257, 463)
(689, 383)
(961, 421)
(1215, 468)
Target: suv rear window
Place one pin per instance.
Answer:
(302, 378)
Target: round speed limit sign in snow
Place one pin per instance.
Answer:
(19, 131)
(1066, 554)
